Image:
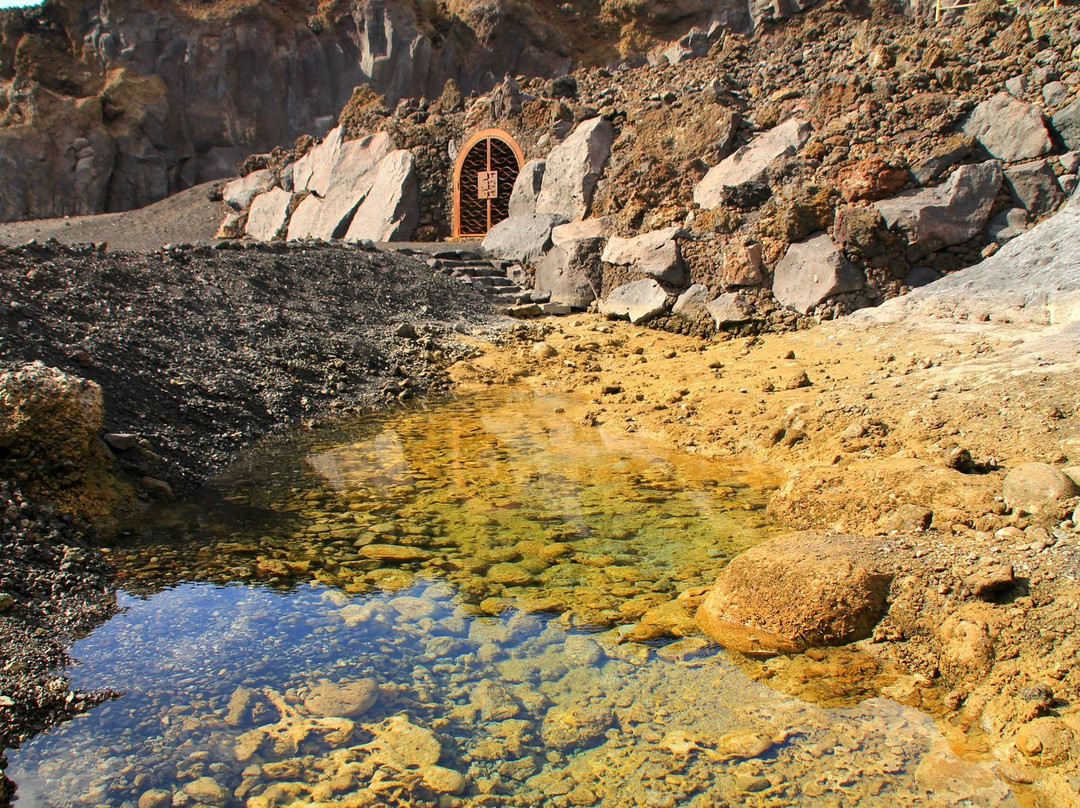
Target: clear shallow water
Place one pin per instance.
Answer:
(268, 657)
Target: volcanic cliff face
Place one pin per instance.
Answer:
(106, 105)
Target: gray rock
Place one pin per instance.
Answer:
(691, 303)
(1068, 183)
(655, 254)
(949, 154)
(327, 215)
(269, 215)
(1037, 488)
(1034, 186)
(1054, 93)
(1033, 278)
(391, 209)
(571, 273)
(351, 177)
(728, 309)
(813, 271)
(1009, 129)
(1008, 224)
(947, 214)
(239, 193)
(574, 168)
(920, 276)
(638, 301)
(586, 228)
(1066, 122)
(527, 188)
(1016, 86)
(1070, 162)
(522, 238)
(751, 162)
(315, 170)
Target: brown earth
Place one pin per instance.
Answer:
(865, 420)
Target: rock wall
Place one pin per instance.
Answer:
(107, 106)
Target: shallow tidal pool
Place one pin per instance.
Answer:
(433, 608)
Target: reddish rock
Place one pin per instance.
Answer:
(871, 179)
(743, 267)
(795, 592)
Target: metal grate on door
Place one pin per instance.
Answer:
(485, 181)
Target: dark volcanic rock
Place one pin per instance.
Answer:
(199, 351)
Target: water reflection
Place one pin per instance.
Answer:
(243, 696)
(430, 609)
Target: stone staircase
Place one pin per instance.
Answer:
(497, 280)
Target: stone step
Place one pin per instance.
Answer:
(458, 255)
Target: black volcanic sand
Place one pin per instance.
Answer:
(199, 351)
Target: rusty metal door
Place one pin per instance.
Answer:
(485, 178)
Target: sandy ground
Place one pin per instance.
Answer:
(188, 217)
(860, 418)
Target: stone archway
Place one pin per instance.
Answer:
(484, 177)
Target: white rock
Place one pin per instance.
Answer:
(239, 193)
(526, 188)
(269, 215)
(315, 170)
(391, 209)
(326, 217)
(587, 228)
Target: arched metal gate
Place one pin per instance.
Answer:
(487, 167)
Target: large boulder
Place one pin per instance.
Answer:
(690, 305)
(655, 254)
(574, 168)
(1038, 488)
(315, 170)
(1034, 186)
(391, 209)
(1066, 122)
(571, 273)
(527, 188)
(947, 214)
(1009, 129)
(813, 271)
(239, 193)
(522, 238)
(586, 228)
(328, 216)
(48, 417)
(795, 592)
(269, 215)
(751, 162)
(638, 301)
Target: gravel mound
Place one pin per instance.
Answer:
(200, 350)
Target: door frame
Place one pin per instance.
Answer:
(483, 134)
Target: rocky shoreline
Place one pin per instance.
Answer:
(178, 358)
(895, 439)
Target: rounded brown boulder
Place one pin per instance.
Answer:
(795, 592)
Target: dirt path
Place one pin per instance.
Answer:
(188, 217)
